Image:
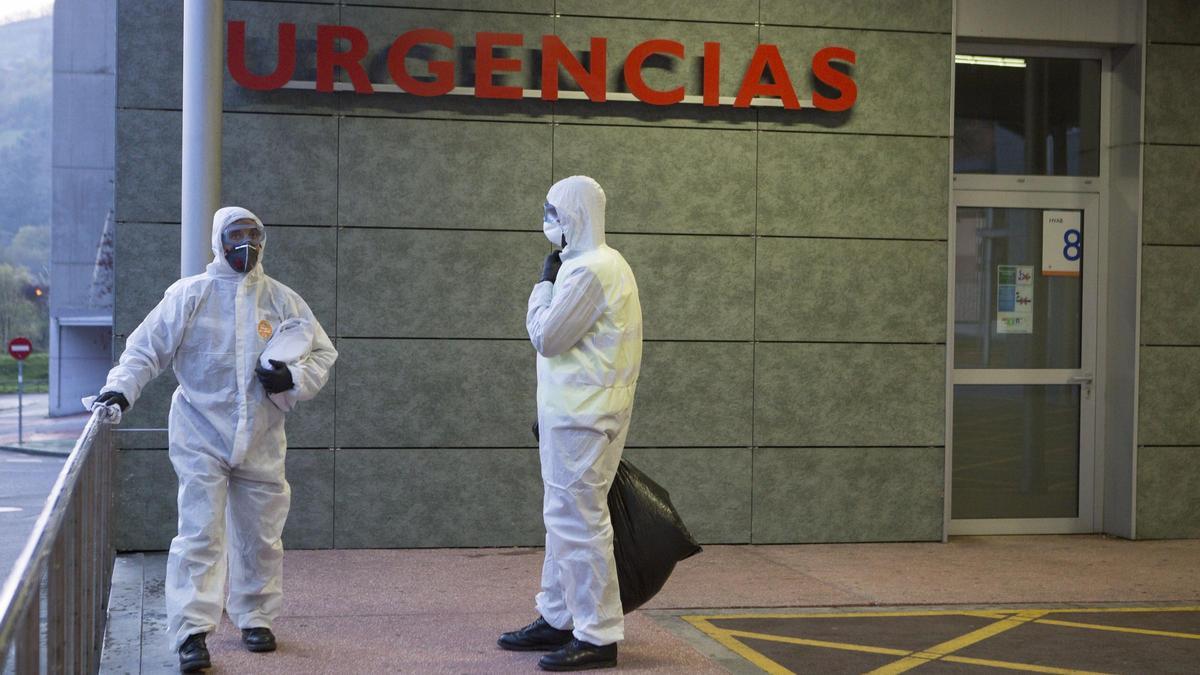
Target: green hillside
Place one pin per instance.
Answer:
(26, 61)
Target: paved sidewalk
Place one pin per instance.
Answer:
(43, 434)
(439, 611)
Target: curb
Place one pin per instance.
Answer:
(34, 451)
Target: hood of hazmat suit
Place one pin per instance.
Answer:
(587, 329)
(227, 441)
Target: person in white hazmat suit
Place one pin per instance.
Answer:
(227, 441)
(585, 321)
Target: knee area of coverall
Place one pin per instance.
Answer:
(577, 527)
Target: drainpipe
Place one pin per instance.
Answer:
(203, 60)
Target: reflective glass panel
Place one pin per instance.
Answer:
(1027, 116)
(1016, 451)
(1008, 311)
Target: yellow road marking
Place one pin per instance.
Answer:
(727, 641)
(938, 651)
(1009, 665)
(1106, 610)
(846, 615)
(1119, 629)
(997, 614)
(845, 646)
(1006, 619)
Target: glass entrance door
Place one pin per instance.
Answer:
(1024, 358)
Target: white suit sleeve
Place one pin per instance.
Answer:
(311, 373)
(559, 316)
(151, 346)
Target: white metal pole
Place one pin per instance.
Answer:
(20, 403)
(203, 58)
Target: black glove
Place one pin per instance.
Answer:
(276, 379)
(110, 397)
(550, 267)
(536, 436)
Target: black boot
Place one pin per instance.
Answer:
(193, 654)
(258, 639)
(580, 655)
(538, 636)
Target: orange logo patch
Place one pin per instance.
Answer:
(264, 329)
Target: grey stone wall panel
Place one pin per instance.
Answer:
(693, 394)
(146, 258)
(282, 167)
(150, 54)
(1172, 94)
(727, 11)
(1169, 404)
(145, 501)
(1170, 201)
(665, 180)
(1168, 493)
(692, 288)
(1173, 21)
(148, 167)
(849, 394)
(522, 6)
(472, 175)
(827, 185)
(397, 498)
(437, 283)
(1171, 295)
(851, 290)
(310, 521)
(847, 494)
(899, 15)
(435, 393)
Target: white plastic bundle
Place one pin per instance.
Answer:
(290, 344)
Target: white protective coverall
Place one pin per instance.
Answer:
(587, 329)
(227, 441)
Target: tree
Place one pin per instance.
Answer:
(30, 248)
(18, 315)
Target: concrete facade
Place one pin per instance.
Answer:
(792, 268)
(1168, 455)
(85, 60)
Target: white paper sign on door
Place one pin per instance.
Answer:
(1014, 298)
(1062, 243)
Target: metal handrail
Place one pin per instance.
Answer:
(71, 549)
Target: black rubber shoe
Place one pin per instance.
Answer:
(193, 654)
(580, 655)
(258, 639)
(538, 636)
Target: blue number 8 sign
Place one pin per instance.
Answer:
(1074, 245)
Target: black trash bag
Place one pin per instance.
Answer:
(648, 535)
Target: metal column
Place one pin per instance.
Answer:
(203, 59)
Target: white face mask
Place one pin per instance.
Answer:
(551, 225)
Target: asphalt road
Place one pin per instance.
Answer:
(25, 481)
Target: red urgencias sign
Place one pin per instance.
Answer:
(591, 79)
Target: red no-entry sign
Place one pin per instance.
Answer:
(20, 348)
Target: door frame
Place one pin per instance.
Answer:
(1096, 186)
(1090, 451)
